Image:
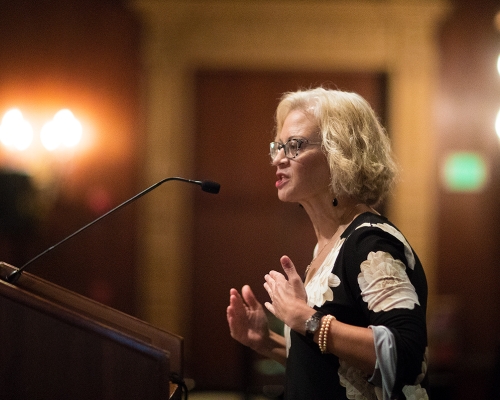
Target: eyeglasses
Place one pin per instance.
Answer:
(292, 147)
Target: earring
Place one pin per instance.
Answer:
(335, 202)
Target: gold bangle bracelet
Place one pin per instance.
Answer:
(323, 332)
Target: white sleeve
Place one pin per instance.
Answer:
(384, 375)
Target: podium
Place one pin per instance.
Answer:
(56, 344)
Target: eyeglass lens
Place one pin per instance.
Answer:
(291, 148)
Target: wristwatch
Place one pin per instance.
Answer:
(313, 324)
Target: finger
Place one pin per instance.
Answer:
(271, 276)
(249, 297)
(270, 282)
(270, 307)
(269, 290)
(237, 306)
(291, 271)
(230, 314)
(232, 321)
(288, 267)
(277, 276)
(234, 296)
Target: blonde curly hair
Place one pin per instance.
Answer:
(356, 145)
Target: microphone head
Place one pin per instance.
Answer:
(210, 187)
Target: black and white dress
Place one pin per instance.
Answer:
(371, 278)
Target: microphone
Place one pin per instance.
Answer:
(206, 186)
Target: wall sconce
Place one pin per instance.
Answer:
(44, 156)
(15, 132)
(64, 130)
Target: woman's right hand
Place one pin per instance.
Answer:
(247, 319)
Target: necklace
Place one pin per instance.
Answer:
(321, 251)
(327, 243)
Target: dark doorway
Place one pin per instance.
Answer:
(241, 233)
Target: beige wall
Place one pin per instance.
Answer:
(398, 37)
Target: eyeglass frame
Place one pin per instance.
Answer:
(286, 147)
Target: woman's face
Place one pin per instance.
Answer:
(306, 176)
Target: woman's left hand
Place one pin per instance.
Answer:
(288, 296)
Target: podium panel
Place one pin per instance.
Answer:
(56, 344)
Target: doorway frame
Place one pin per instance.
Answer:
(398, 38)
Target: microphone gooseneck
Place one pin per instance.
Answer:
(206, 186)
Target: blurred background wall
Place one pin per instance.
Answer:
(164, 88)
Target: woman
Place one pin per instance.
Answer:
(355, 327)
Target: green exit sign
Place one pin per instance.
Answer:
(465, 172)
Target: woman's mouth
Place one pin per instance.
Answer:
(281, 181)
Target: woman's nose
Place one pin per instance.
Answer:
(280, 157)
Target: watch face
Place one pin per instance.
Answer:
(312, 324)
